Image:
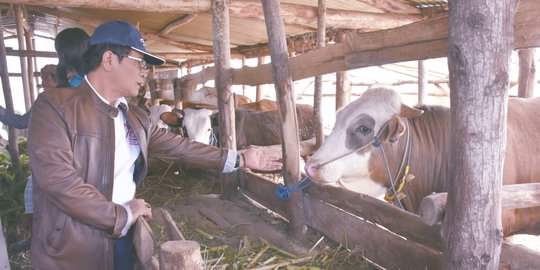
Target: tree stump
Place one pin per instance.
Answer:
(179, 255)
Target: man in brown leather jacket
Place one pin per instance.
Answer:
(89, 150)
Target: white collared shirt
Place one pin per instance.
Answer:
(126, 151)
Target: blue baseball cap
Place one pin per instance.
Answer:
(122, 33)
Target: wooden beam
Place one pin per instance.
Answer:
(416, 41)
(177, 23)
(293, 14)
(191, 6)
(432, 207)
(94, 22)
(27, 53)
(341, 19)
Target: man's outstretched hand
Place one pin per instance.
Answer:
(254, 158)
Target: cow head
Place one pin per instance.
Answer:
(346, 152)
(195, 123)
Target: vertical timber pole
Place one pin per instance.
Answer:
(317, 94)
(223, 82)
(422, 82)
(527, 73)
(287, 113)
(343, 85)
(480, 43)
(260, 88)
(28, 36)
(24, 74)
(13, 146)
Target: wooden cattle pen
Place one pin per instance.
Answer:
(389, 237)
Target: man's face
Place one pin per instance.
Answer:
(132, 73)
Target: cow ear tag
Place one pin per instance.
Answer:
(409, 112)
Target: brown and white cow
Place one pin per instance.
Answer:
(348, 152)
(256, 123)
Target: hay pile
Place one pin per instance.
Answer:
(234, 234)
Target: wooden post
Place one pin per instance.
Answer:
(527, 73)
(152, 87)
(480, 42)
(317, 92)
(287, 113)
(260, 87)
(30, 65)
(422, 82)
(180, 255)
(24, 67)
(13, 145)
(223, 82)
(343, 85)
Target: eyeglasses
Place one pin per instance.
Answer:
(142, 63)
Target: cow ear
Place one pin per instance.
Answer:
(393, 130)
(172, 119)
(409, 112)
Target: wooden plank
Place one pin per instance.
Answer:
(394, 219)
(518, 257)
(398, 221)
(380, 246)
(432, 207)
(354, 231)
(262, 190)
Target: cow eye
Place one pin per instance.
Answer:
(363, 129)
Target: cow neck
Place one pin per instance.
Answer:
(394, 194)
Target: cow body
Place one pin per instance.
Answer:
(380, 111)
(208, 95)
(256, 123)
(254, 127)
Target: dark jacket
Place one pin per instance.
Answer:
(71, 146)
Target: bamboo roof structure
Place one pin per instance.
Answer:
(181, 31)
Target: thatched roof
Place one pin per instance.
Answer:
(182, 30)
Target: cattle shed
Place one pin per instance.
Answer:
(357, 34)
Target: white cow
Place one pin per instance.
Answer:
(156, 111)
(420, 140)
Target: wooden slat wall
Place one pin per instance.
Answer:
(349, 218)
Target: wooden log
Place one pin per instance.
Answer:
(432, 207)
(527, 73)
(180, 255)
(518, 257)
(19, 20)
(8, 98)
(223, 82)
(285, 97)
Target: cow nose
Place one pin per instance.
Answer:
(312, 169)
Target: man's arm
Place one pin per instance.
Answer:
(14, 120)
